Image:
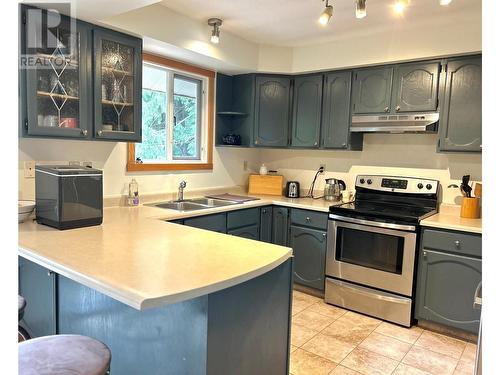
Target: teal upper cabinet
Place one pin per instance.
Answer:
(117, 86)
(86, 83)
(460, 113)
(55, 94)
(336, 118)
(272, 111)
(415, 87)
(307, 95)
(372, 90)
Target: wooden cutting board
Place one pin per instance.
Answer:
(265, 184)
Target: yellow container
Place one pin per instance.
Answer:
(470, 208)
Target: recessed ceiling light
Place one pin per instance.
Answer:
(326, 15)
(360, 8)
(400, 6)
(216, 23)
(445, 2)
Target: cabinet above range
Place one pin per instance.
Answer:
(85, 82)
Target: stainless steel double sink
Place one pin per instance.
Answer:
(193, 204)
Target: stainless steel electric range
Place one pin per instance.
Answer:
(372, 246)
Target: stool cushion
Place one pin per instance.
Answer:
(63, 355)
(21, 304)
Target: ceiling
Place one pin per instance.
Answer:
(293, 23)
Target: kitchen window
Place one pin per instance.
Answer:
(177, 117)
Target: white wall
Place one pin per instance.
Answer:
(112, 157)
(393, 154)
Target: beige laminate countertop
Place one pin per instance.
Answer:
(144, 262)
(449, 218)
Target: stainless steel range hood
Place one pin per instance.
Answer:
(414, 123)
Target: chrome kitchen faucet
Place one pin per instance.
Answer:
(182, 186)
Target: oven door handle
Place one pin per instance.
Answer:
(373, 223)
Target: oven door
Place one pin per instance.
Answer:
(371, 255)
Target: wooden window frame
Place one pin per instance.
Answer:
(133, 166)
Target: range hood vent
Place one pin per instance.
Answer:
(414, 123)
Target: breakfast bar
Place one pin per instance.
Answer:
(165, 298)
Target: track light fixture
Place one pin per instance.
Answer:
(361, 8)
(444, 2)
(400, 6)
(216, 23)
(326, 14)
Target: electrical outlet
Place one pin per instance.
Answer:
(87, 164)
(29, 169)
(323, 166)
(245, 165)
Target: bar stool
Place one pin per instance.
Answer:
(63, 355)
(22, 334)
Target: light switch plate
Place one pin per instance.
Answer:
(29, 169)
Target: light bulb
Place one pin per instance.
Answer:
(360, 8)
(326, 15)
(400, 6)
(214, 39)
(445, 2)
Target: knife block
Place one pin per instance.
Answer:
(470, 208)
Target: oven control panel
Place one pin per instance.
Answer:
(397, 184)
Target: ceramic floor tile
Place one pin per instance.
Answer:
(299, 306)
(430, 361)
(350, 331)
(301, 334)
(469, 353)
(409, 335)
(328, 347)
(305, 297)
(369, 363)
(360, 318)
(464, 367)
(305, 363)
(328, 310)
(441, 344)
(403, 369)
(292, 348)
(386, 346)
(312, 320)
(341, 370)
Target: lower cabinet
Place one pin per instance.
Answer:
(38, 286)
(280, 226)
(266, 224)
(251, 232)
(216, 223)
(447, 286)
(309, 251)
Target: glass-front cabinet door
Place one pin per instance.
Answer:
(57, 73)
(117, 86)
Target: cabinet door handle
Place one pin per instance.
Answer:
(256, 142)
(324, 235)
(315, 143)
(344, 144)
(386, 109)
(398, 108)
(99, 133)
(84, 132)
(424, 254)
(478, 301)
(308, 219)
(50, 273)
(457, 244)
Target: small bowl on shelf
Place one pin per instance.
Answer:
(24, 209)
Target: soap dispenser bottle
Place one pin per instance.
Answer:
(133, 193)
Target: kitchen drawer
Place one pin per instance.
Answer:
(242, 218)
(455, 242)
(318, 220)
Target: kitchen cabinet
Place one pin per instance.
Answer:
(56, 96)
(309, 251)
(38, 286)
(86, 84)
(306, 119)
(371, 90)
(448, 282)
(216, 222)
(336, 119)
(117, 86)
(280, 225)
(243, 218)
(235, 108)
(272, 111)
(266, 224)
(251, 232)
(460, 113)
